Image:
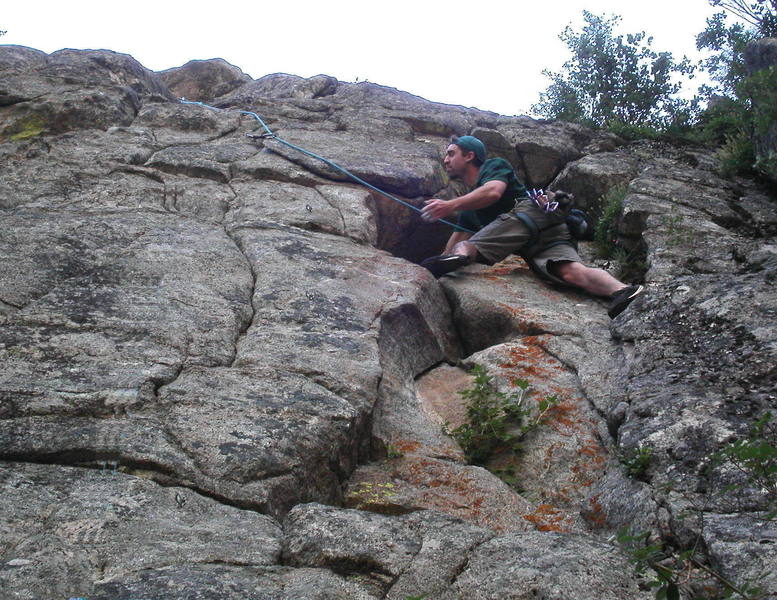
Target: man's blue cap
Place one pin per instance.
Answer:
(472, 144)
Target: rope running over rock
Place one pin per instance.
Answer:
(326, 161)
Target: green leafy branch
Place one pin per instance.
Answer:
(674, 573)
(755, 457)
(497, 421)
(614, 80)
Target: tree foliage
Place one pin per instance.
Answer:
(761, 15)
(741, 106)
(726, 43)
(614, 80)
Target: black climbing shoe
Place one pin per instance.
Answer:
(440, 265)
(622, 298)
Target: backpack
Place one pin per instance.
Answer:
(577, 222)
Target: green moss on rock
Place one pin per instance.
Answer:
(27, 127)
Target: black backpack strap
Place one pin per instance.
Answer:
(534, 231)
(530, 248)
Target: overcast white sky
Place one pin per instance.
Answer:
(484, 54)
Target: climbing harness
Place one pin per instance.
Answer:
(269, 134)
(530, 248)
(576, 221)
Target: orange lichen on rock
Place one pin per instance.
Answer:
(407, 446)
(564, 417)
(508, 266)
(462, 491)
(530, 360)
(526, 322)
(595, 514)
(549, 518)
(590, 463)
(563, 458)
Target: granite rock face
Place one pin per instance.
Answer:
(66, 527)
(224, 376)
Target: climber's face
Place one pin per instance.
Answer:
(456, 162)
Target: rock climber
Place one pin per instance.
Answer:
(493, 210)
(495, 188)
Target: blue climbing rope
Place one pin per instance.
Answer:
(269, 134)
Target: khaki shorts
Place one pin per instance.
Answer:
(506, 235)
(542, 262)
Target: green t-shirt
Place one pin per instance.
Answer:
(500, 170)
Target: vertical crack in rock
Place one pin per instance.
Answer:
(573, 369)
(523, 167)
(467, 557)
(246, 325)
(243, 330)
(343, 231)
(170, 198)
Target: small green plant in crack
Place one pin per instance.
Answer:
(677, 235)
(646, 557)
(393, 452)
(629, 261)
(629, 265)
(605, 231)
(496, 421)
(636, 461)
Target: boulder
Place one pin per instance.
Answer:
(232, 582)
(70, 90)
(16, 62)
(539, 567)
(751, 559)
(204, 80)
(760, 54)
(284, 86)
(593, 176)
(544, 148)
(424, 553)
